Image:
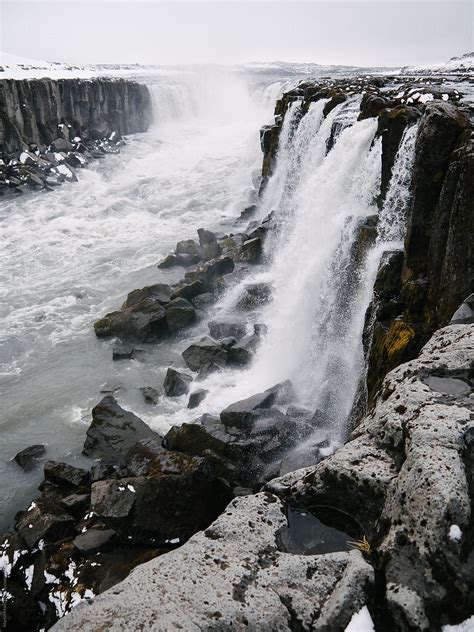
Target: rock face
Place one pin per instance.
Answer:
(32, 109)
(233, 576)
(437, 271)
(404, 476)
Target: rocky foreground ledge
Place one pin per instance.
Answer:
(401, 488)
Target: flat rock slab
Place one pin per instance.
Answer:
(233, 577)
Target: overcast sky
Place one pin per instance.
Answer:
(378, 32)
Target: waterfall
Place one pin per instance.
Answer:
(320, 289)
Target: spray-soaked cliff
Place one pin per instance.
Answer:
(31, 110)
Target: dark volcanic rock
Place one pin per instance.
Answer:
(179, 314)
(144, 321)
(196, 397)
(113, 431)
(46, 521)
(224, 329)
(122, 351)
(150, 394)
(66, 475)
(143, 455)
(241, 414)
(176, 383)
(178, 499)
(203, 353)
(256, 294)
(93, 540)
(160, 292)
(28, 458)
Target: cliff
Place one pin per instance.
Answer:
(32, 110)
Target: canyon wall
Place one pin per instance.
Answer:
(32, 110)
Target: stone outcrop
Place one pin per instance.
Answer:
(32, 110)
(404, 479)
(50, 128)
(233, 576)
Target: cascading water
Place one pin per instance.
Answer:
(321, 288)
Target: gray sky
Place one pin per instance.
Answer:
(378, 32)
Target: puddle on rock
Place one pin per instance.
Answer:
(447, 385)
(306, 534)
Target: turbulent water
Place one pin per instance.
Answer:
(71, 255)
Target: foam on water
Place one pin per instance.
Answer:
(73, 254)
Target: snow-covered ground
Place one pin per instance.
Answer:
(456, 65)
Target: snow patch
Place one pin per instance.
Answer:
(361, 622)
(455, 533)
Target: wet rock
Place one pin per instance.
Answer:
(123, 351)
(260, 329)
(242, 413)
(186, 491)
(143, 456)
(224, 329)
(206, 370)
(209, 272)
(176, 383)
(160, 292)
(188, 247)
(65, 475)
(196, 397)
(93, 540)
(190, 290)
(206, 237)
(76, 504)
(179, 314)
(251, 250)
(204, 353)
(248, 212)
(113, 431)
(144, 321)
(45, 520)
(203, 301)
(28, 458)
(150, 394)
(256, 294)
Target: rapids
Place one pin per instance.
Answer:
(72, 255)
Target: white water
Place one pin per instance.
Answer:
(72, 255)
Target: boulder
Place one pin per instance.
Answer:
(251, 250)
(160, 292)
(181, 497)
(179, 314)
(225, 329)
(144, 321)
(45, 520)
(150, 394)
(242, 413)
(206, 237)
(113, 431)
(93, 540)
(176, 383)
(143, 456)
(196, 397)
(189, 290)
(209, 272)
(188, 247)
(255, 295)
(28, 458)
(122, 351)
(65, 475)
(204, 353)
